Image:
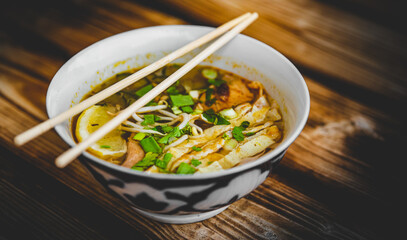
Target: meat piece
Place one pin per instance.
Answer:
(134, 153)
(229, 94)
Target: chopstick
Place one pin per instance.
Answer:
(68, 156)
(41, 128)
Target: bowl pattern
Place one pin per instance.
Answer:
(178, 196)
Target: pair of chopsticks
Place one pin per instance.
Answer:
(235, 26)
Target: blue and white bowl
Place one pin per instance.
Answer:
(180, 198)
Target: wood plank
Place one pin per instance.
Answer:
(339, 45)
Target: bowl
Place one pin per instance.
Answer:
(168, 198)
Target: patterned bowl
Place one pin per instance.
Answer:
(180, 198)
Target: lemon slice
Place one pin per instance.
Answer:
(112, 145)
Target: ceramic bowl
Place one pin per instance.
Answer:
(180, 198)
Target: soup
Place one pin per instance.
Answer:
(208, 121)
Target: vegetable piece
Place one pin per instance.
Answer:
(150, 145)
(176, 110)
(141, 92)
(187, 109)
(230, 144)
(196, 148)
(139, 136)
(216, 82)
(209, 73)
(222, 121)
(175, 132)
(105, 146)
(228, 113)
(148, 160)
(194, 94)
(149, 119)
(237, 132)
(163, 163)
(172, 90)
(195, 162)
(197, 111)
(181, 100)
(185, 168)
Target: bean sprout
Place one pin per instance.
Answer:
(167, 113)
(176, 143)
(136, 117)
(151, 108)
(185, 120)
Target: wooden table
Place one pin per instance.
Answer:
(341, 179)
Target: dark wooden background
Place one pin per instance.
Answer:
(341, 179)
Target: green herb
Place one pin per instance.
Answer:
(175, 132)
(105, 146)
(187, 109)
(163, 163)
(172, 90)
(209, 73)
(152, 103)
(249, 134)
(222, 121)
(150, 145)
(208, 97)
(139, 136)
(195, 162)
(216, 82)
(186, 130)
(166, 128)
(148, 160)
(237, 132)
(149, 119)
(196, 148)
(181, 100)
(214, 118)
(141, 92)
(185, 168)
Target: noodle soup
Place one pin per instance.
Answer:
(210, 120)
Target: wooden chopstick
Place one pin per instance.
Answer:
(41, 128)
(68, 156)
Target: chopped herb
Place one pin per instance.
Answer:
(148, 160)
(237, 132)
(249, 134)
(150, 145)
(139, 136)
(163, 163)
(149, 119)
(186, 130)
(196, 148)
(222, 121)
(152, 103)
(185, 168)
(105, 146)
(176, 110)
(216, 82)
(175, 132)
(208, 97)
(166, 128)
(141, 92)
(197, 111)
(209, 73)
(187, 109)
(195, 162)
(172, 90)
(181, 100)
(214, 118)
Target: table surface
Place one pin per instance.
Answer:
(341, 178)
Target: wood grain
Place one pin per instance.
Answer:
(339, 180)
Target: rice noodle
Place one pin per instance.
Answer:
(151, 108)
(176, 143)
(185, 120)
(164, 112)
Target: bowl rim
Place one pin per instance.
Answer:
(279, 149)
